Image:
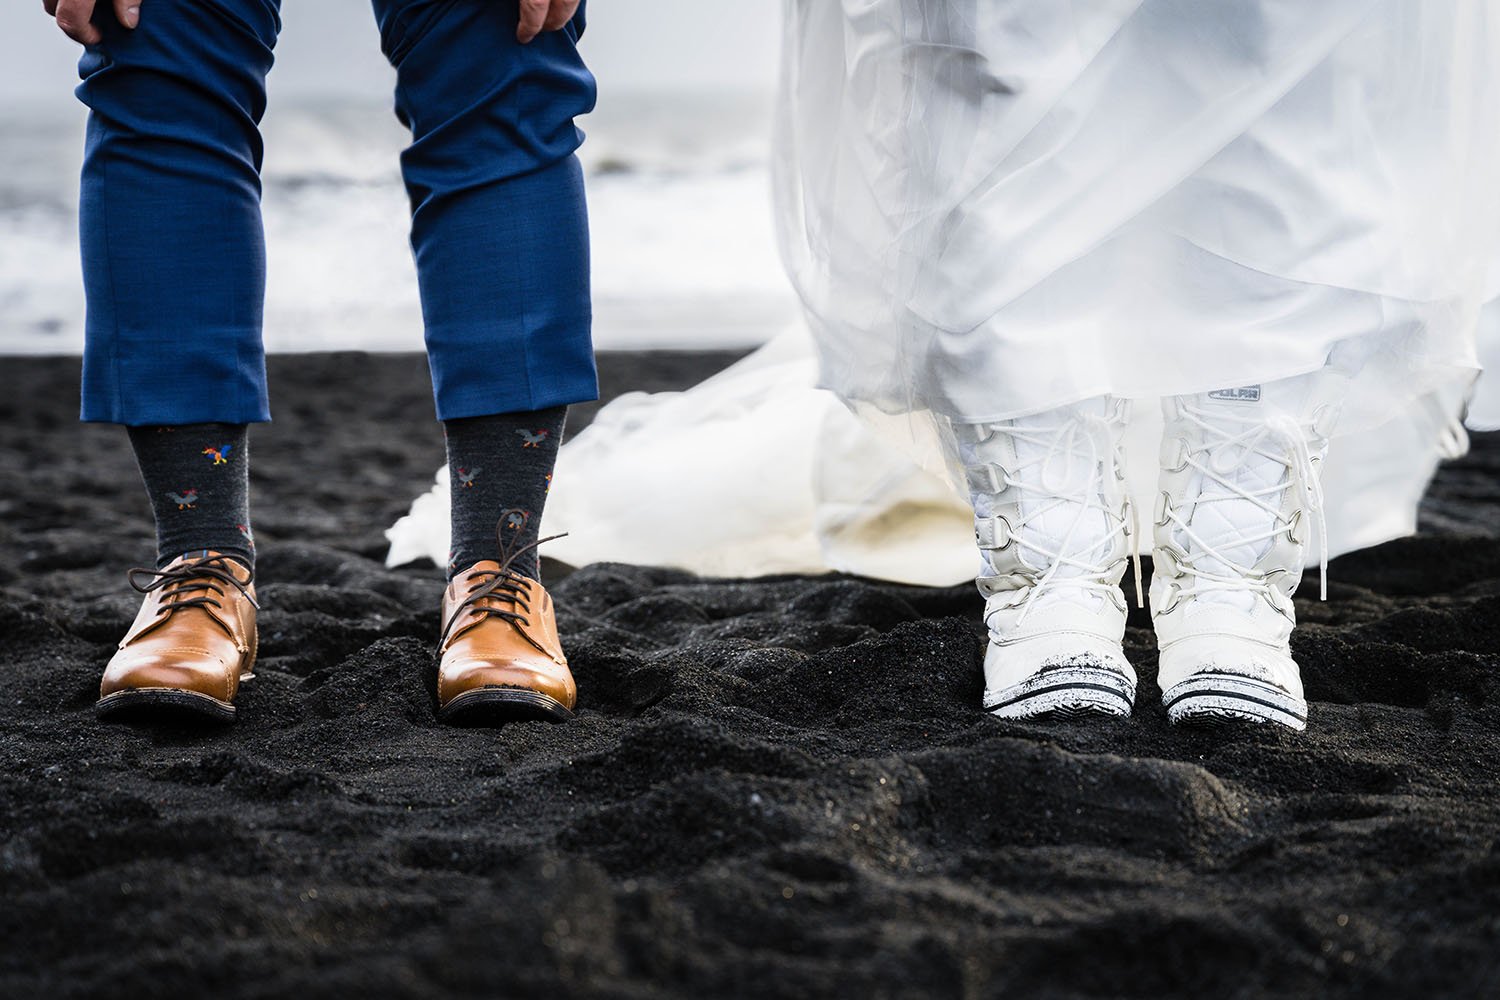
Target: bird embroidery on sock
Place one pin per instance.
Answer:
(532, 440)
(516, 520)
(466, 476)
(184, 500)
(220, 454)
(244, 529)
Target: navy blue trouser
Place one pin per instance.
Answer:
(174, 251)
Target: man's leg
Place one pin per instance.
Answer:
(174, 272)
(173, 250)
(500, 235)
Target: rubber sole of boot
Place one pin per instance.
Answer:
(162, 705)
(494, 705)
(1216, 698)
(1066, 693)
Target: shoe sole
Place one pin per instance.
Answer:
(1067, 693)
(490, 705)
(1216, 699)
(162, 705)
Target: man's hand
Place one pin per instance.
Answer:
(75, 17)
(537, 16)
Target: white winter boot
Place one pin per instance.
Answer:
(1239, 493)
(1054, 527)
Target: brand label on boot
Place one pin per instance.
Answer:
(1244, 394)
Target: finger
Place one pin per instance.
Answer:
(561, 13)
(533, 16)
(128, 12)
(50, 6)
(73, 17)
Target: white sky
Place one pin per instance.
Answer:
(330, 48)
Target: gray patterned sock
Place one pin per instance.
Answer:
(500, 466)
(198, 477)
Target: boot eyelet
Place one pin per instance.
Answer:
(1174, 454)
(1174, 597)
(983, 479)
(1163, 509)
(993, 533)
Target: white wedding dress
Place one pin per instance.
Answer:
(996, 207)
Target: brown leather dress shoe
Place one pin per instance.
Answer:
(500, 655)
(191, 645)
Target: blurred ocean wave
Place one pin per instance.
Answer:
(684, 252)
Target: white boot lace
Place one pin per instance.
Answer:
(1453, 436)
(1280, 439)
(1088, 436)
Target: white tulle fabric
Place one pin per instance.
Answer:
(1484, 407)
(994, 207)
(756, 471)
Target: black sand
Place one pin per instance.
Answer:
(781, 787)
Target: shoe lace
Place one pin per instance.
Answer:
(501, 592)
(192, 584)
(1280, 439)
(1453, 436)
(1048, 492)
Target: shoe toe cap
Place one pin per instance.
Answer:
(195, 670)
(460, 674)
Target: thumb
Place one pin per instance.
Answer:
(128, 12)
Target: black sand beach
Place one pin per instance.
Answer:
(781, 787)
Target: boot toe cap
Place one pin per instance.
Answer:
(1058, 674)
(1229, 655)
(1008, 665)
(1216, 678)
